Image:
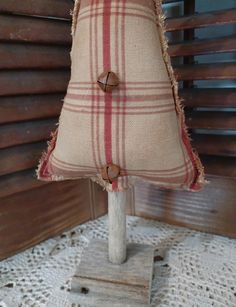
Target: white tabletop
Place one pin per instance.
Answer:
(191, 268)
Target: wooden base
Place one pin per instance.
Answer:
(98, 282)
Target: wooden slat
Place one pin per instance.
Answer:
(35, 30)
(203, 46)
(20, 157)
(220, 145)
(210, 210)
(211, 120)
(17, 56)
(20, 108)
(209, 97)
(171, 1)
(201, 20)
(32, 216)
(213, 71)
(188, 35)
(33, 82)
(26, 132)
(52, 8)
(220, 166)
(19, 182)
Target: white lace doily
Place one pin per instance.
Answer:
(191, 268)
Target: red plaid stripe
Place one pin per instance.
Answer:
(84, 168)
(93, 101)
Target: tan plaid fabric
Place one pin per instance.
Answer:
(140, 125)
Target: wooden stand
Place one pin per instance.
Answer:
(113, 274)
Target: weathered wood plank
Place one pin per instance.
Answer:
(35, 30)
(50, 8)
(214, 71)
(26, 132)
(20, 157)
(188, 35)
(19, 182)
(201, 20)
(27, 56)
(32, 216)
(127, 284)
(211, 120)
(209, 97)
(21, 108)
(220, 145)
(220, 166)
(33, 82)
(210, 210)
(203, 46)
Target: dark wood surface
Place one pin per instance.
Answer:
(26, 132)
(36, 214)
(21, 82)
(28, 107)
(220, 145)
(211, 71)
(209, 97)
(220, 17)
(220, 166)
(48, 8)
(211, 210)
(34, 30)
(28, 56)
(203, 46)
(19, 182)
(212, 120)
(21, 157)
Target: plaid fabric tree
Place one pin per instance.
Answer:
(122, 119)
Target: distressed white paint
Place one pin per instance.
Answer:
(117, 227)
(99, 283)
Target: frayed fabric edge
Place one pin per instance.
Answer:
(43, 161)
(200, 180)
(74, 13)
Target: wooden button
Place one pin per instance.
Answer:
(110, 172)
(108, 81)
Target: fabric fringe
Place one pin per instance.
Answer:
(42, 164)
(75, 13)
(200, 180)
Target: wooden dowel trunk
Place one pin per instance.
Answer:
(114, 273)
